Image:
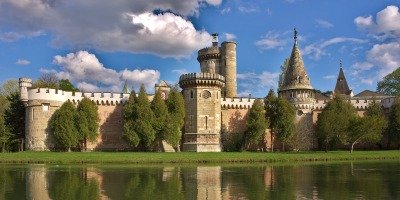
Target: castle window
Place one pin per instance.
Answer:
(33, 114)
(191, 94)
(45, 107)
(206, 122)
(206, 94)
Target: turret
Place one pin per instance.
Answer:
(24, 84)
(296, 86)
(228, 57)
(202, 94)
(341, 87)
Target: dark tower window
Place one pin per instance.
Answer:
(191, 94)
(206, 122)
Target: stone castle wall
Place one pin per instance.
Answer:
(42, 103)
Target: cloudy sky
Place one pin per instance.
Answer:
(98, 44)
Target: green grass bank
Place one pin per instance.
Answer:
(186, 157)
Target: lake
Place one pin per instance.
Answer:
(340, 180)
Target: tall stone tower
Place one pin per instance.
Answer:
(296, 87)
(202, 93)
(220, 60)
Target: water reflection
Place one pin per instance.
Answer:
(370, 180)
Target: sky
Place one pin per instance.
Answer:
(100, 44)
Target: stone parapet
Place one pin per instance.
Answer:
(237, 103)
(102, 98)
(209, 53)
(201, 79)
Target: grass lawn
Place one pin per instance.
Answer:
(187, 157)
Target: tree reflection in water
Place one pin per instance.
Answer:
(359, 180)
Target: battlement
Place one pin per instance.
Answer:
(201, 79)
(237, 103)
(101, 98)
(209, 53)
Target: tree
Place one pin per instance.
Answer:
(14, 117)
(283, 72)
(63, 126)
(284, 121)
(365, 129)
(87, 121)
(130, 116)
(256, 124)
(9, 87)
(145, 120)
(270, 103)
(390, 84)
(175, 122)
(333, 122)
(65, 85)
(394, 123)
(161, 115)
(47, 80)
(5, 135)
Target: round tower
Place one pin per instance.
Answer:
(24, 84)
(202, 94)
(228, 69)
(296, 87)
(209, 58)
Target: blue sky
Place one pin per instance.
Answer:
(98, 44)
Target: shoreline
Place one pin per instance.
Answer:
(191, 158)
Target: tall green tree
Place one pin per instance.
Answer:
(365, 129)
(63, 126)
(87, 121)
(333, 122)
(9, 87)
(14, 117)
(390, 84)
(5, 136)
(66, 85)
(256, 124)
(394, 123)
(284, 121)
(145, 120)
(130, 116)
(175, 122)
(161, 115)
(270, 105)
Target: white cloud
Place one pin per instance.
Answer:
(329, 77)
(317, 50)
(247, 9)
(362, 66)
(264, 82)
(23, 62)
(86, 71)
(226, 10)
(387, 24)
(386, 57)
(128, 25)
(323, 23)
(180, 71)
(214, 2)
(272, 40)
(229, 36)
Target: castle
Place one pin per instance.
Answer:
(211, 103)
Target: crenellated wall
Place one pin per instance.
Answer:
(41, 103)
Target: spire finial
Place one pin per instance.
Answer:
(341, 64)
(295, 36)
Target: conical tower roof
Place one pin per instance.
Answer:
(295, 76)
(341, 84)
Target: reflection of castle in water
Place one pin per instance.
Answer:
(208, 182)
